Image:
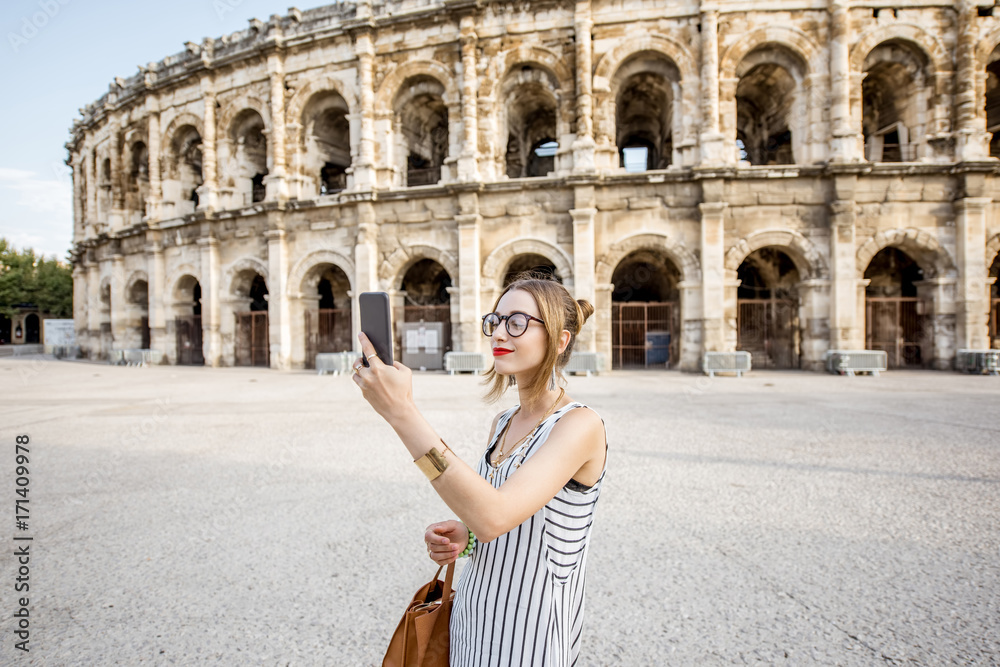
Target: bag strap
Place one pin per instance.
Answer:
(448, 577)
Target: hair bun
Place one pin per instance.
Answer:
(586, 310)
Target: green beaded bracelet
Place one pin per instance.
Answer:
(470, 546)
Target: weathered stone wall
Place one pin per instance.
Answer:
(369, 136)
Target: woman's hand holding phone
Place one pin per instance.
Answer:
(389, 389)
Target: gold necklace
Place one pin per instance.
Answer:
(503, 442)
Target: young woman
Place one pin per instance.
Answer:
(526, 508)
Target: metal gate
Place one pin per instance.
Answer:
(995, 324)
(893, 324)
(144, 332)
(333, 333)
(636, 333)
(189, 351)
(252, 347)
(766, 328)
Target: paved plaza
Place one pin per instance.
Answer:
(246, 516)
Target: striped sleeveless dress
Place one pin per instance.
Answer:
(519, 600)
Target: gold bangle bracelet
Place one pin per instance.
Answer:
(433, 463)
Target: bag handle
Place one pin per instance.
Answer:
(449, 575)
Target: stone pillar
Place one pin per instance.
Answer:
(364, 169)
(154, 202)
(81, 307)
(584, 265)
(583, 146)
(846, 332)
(972, 302)
(116, 215)
(844, 141)
(365, 264)
(211, 296)
(971, 140)
(713, 277)
(691, 326)
(712, 142)
(468, 161)
(470, 309)
(937, 299)
(156, 271)
(208, 193)
(78, 201)
(278, 316)
(94, 310)
(91, 167)
(119, 316)
(276, 184)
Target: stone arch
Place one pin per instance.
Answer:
(233, 109)
(683, 258)
(297, 105)
(985, 48)
(502, 64)
(807, 258)
(179, 121)
(135, 277)
(926, 250)
(930, 45)
(788, 39)
(240, 265)
(392, 84)
(394, 268)
(304, 267)
(992, 249)
(627, 48)
(177, 275)
(498, 260)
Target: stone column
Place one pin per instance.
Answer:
(972, 302)
(277, 186)
(78, 201)
(208, 193)
(119, 321)
(116, 215)
(712, 141)
(81, 307)
(844, 141)
(364, 170)
(713, 277)
(583, 146)
(468, 161)
(93, 310)
(365, 264)
(971, 140)
(470, 309)
(846, 332)
(156, 272)
(91, 167)
(584, 265)
(938, 300)
(691, 326)
(278, 316)
(211, 295)
(154, 203)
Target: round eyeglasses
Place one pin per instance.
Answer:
(517, 323)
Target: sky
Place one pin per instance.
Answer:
(57, 56)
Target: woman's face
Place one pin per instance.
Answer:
(513, 355)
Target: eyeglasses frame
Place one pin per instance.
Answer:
(505, 324)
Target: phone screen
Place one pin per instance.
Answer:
(376, 323)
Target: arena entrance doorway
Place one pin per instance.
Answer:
(187, 328)
(894, 319)
(328, 328)
(426, 300)
(645, 312)
(767, 316)
(252, 345)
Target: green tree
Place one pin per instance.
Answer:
(30, 279)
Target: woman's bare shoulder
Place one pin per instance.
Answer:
(584, 420)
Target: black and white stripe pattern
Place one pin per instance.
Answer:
(519, 600)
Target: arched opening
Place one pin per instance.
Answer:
(104, 190)
(767, 316)
(250, 156)
(644, 112)
(327, 142)
(138, 315)
(531, 263)
(328, 317)
(995, 304)
(252, 339)
(764, 99)
(894, 101)
(32, 329)
(894, 312)
(138, 179)
(184, 171)
(422, 128)
(645, 311)
(187, 322)
(425, 333)
(993, 101)
(532, 139)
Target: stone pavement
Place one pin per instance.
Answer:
(230, 516)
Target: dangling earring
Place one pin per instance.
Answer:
(552, 380)
(511, 380)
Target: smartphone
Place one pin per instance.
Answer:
(376, 323)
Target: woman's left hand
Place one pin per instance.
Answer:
(389, 389)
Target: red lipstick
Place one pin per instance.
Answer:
(499, 351)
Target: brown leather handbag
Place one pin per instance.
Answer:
(421, 638)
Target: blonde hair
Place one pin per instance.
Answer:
(559, 311)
